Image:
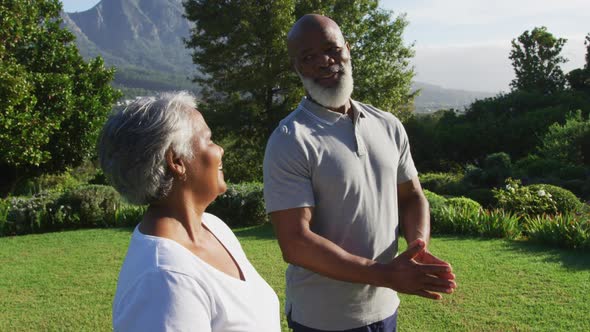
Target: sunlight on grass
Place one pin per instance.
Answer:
(66, 281)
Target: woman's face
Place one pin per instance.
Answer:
(205, 170)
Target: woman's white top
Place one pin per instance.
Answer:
(164, 287)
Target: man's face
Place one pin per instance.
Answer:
(321, 55)
(322, 61)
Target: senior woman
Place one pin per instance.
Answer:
(184, 270)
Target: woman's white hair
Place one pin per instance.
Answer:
(134, 142)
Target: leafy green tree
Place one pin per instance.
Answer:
(52, 103)
(568, 142)
(536, 60)
(248, 83)
(579, 79)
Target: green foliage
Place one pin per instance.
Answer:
(52, 103)
(495, 169)
(27, 214)
(443, 183)
(536, 61)
(568, 142)
(241, 205)
(464, 203)
(435, 201)
(562, 230)
(467, 221)
(129, 215)
(483, 196)
(564, 199)
(86, 206)
(524, 201)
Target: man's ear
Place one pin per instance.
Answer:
(175, 164)
(348, 47)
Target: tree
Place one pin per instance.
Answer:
(579, 79)
(536, 60)
(587, 43)
(52, 103)
(248, 84)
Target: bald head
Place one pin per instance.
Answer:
(311, 24)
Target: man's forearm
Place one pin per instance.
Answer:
(415, 218)
(324, 257)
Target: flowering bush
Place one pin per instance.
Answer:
(523, 201)
(564, 199)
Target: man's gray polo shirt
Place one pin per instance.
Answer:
(348, 171)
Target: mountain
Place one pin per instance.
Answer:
(433, 97)
(144, 40)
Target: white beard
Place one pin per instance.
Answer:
(334, 97)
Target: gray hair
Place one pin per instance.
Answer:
(134, 142)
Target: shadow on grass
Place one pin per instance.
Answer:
(570, 258)
(263, 231)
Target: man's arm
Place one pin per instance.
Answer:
(414, 212)
(302, 247)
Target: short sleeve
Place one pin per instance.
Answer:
(287, 175)
(406, 169)
(163, 301)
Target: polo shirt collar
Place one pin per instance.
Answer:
(327, 116)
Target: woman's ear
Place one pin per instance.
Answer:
(176, 164)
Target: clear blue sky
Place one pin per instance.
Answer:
(465, 43)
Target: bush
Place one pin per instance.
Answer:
(464, 203)
(86, 206)
(443, 183)
(564, 230)
(47, 182)
(524, 201)
(129, 215)
(241, 205)
(466, 221)
(483, 196)
(26, 215)
(564, 199)
(496, 168)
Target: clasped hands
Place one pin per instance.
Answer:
(416, 271)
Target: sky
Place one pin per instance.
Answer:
(464, 44)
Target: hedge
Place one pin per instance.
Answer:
(100, 206)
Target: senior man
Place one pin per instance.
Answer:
(339, 182)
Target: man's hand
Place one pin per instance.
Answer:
(425, 257)
(405, 274)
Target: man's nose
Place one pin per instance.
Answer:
(326, 60)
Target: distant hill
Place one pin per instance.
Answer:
(144, 40)
(434, 97)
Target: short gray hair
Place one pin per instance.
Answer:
(134, 142)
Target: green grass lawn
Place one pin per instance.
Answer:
(66, 281)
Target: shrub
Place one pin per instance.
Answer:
(466, 221)
(464, 203)
(443, 183)
(564, 199)
(566, 142)
(47, 182)
(241, 205)
(524, 201)
(26, 215)
(483, 196)
(86, 206)
(564, 230)
(129, 215)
